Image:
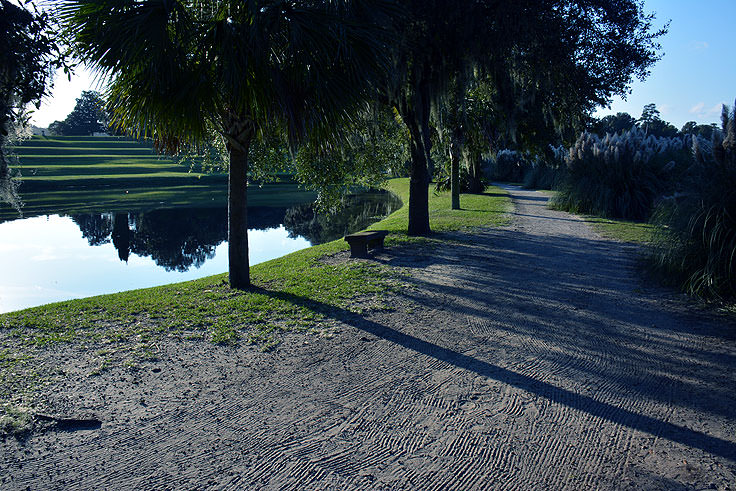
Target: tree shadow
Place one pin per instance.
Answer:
(590, 405)
(557, 219)
(542, 199)
(492, 195)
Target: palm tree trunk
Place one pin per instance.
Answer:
(237, 216)
(455, 172)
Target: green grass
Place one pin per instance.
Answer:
(623, 230)
(86, 174)
(68, 175)
(101, 178)
(297, 292)
(490, 209)
(208, 305)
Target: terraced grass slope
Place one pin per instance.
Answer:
(91, 162)
(107, 174)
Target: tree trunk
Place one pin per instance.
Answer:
(414, 110)
(475, 175)
(418, 193)
(455, 146)
(237, 218)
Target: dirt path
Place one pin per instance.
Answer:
(525, 358)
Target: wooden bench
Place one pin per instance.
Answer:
(360, 242)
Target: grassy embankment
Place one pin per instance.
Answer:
(292, 293)
(68, 175)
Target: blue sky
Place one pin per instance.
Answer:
(696, 75)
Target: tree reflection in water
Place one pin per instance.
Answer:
(177, 239)
(356, 213)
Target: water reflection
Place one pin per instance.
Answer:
(357, 212)
(45, 258)
(178, 239)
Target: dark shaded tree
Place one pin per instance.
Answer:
(374, 147)
(613, 123)
(591, 49)
(704, 131)
(29, 54)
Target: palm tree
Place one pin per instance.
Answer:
(181, 70)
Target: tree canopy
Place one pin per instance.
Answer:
(28, 58)
(562, 56)
(613, 123)
(87, 117)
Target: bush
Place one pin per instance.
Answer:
(547, 172)
(509, 166)
(695, 244)
(620, 175)
(443, 182)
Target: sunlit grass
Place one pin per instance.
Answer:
(623, 230)
(490, 209)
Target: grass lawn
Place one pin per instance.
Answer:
(84, 174)
(69, 175)
(291, 293)
(625, 231)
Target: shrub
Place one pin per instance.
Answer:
(547, 172)
(443, 182)
(620, 175)
(509, 166)
(695, 244)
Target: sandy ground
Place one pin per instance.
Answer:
(530, 357)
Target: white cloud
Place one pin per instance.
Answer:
(715, 110)
(697, 108)
(703, 113)
(698, 46)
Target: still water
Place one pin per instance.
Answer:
(51, 258)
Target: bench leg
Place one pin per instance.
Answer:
(376, 243)
(359, 250)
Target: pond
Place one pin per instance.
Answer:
(63, 256)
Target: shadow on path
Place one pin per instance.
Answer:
(624, 417)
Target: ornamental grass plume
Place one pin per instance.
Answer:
(695, 243)
(621, 175)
